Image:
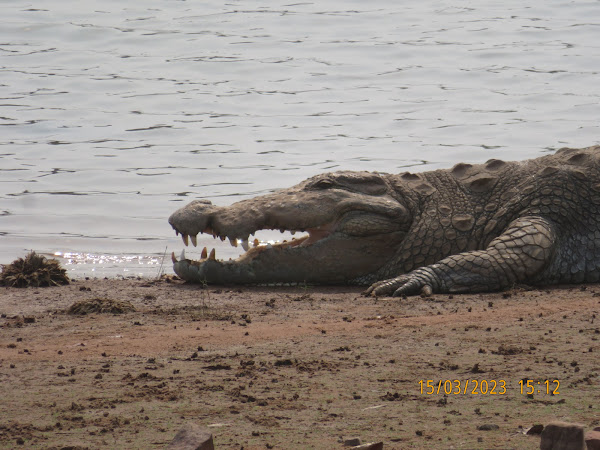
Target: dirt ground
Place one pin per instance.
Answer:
(295, 367)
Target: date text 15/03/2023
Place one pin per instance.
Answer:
(487, 387)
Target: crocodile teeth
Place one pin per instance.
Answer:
(212, 254)
(204, 254)
(245, 245)
(182, 257)
(185, 237)
(255, 242)
(173, 258)
(194, 240)
(233, 242)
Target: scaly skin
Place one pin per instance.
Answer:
(472, 228)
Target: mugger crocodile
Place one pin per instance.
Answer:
(471, 228)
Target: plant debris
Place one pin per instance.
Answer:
(33, 271)
(100, 305)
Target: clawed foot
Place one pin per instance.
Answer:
(400, 286)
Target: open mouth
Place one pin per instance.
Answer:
(252, 245)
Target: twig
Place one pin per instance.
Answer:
(160, 269)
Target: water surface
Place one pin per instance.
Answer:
(114, 114)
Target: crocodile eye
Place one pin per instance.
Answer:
(323, 184)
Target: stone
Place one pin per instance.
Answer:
(592, 439)
(562, 436)
(535, 429)
(352, 442)
(192, 437)
(488, 427)
(370, 446)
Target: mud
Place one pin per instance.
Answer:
(311, 367)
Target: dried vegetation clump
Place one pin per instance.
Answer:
(33, 271)
(100, 305)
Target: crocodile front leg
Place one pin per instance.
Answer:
(522, 251)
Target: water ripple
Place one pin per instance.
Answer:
(112, 116)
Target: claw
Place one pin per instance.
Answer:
(427, 291)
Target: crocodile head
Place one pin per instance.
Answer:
(351, 222)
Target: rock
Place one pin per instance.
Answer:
(592, 439)
(352, 442)
(535, 430)
(562, 436)
(488, 427)
(192, 437)
(370, 446)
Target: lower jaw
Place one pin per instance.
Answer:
(287, 264)
(232, 273)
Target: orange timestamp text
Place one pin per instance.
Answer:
(486, 387)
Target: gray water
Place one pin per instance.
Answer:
(113, 114)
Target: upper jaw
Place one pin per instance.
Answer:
(250, 244)
(294, 214)
(202, 217)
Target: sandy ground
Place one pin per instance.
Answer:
(267, 367)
